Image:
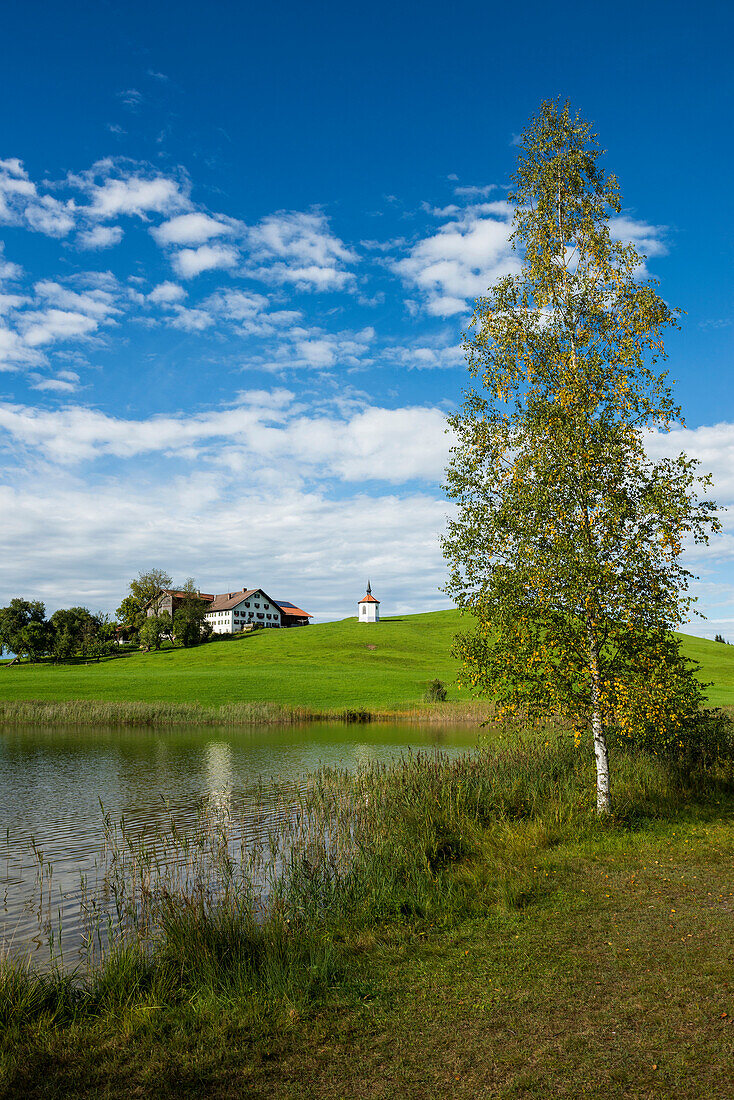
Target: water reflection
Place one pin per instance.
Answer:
(56, 785)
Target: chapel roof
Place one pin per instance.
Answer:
(369, 598)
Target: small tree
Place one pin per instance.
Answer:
(64, 643)
(189, 622)
(130, 616)
(567, 543)
(147, 591)
(35, 640)
(152, 632)
(149, 588)
(75, 630)
(23, 628)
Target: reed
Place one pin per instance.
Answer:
(89, 712)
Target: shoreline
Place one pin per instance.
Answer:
(132, 714)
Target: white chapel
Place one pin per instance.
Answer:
(369, 607)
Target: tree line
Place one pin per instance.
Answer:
(72, 631)
(77, 632)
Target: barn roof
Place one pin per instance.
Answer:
(291, 609)
(182, 595)
(227, 600)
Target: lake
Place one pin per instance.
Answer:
(56, 785)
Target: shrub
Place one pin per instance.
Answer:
(435, 692)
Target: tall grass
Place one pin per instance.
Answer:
(90, 712)
(275, 925)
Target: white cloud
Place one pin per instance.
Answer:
(299, 248)
(11, 302)
(461, 260)
(191, 320)
(47, 326)
(131, 97)
(14, 168)
(166, 293)
(238, 305)
(190, 262)
(475, 192)
(77, 432)
(311, 348)
(311, 277)
(50, 216)
(195, 228)
(60, 384)
(16, 189)
(392, 445)
(249, 315)
(712, 445)
(648, 239)
(135, 196)
(119, 188)
(100, 236)
(62, 314)
(69, 543)
(426, 357)
(8, 270)
(15, 352)
(21, 204)
(244, 510)
(450, 211)
(320, 352)
(97, 303)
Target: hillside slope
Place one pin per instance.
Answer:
(340, 664)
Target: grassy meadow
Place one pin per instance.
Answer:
(336, 665)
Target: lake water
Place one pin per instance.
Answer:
(57, 785)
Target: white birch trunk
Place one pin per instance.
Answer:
(601, 752)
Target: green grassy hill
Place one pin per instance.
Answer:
(341, 664)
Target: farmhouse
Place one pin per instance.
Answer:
(231, 612)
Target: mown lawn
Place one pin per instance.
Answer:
(341, 664)
(617, 983)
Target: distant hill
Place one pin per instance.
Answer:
(339, 664)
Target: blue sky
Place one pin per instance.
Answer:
(239, 248)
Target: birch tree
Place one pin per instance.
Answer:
(567, 542)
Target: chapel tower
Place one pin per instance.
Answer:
(369, 607)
